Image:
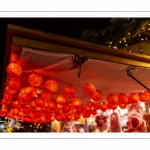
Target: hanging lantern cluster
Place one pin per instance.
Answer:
(26, 104)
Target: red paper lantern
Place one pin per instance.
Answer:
(112, 98)
(20, 113)
(52, 118)
(86, 114)
(133, 98)
(14, 58)
(10, 91)
(69, 91)
(37, 113)
(4, 102)
(7, 97)
(35, 79)
(31, 91)
(51, 85)
(52, 105)
(104, 106)
(76, 102)
(58, 117)
(61, 99)
(68, 117)
(14, 83)
(93, 111)
(76, 116)
(48, 116)
(66, 108)
(4, 110)
(14, 111)
(90, 103)
(16, 104)
(21, 102)
(14, 69)
(122, 106)
(97, 95)
(58, 110)
(88, 108)
(32, 104)
(26, 109)
(97, 106)
(123, 98)
(112, 106)
(143, 97)
(73, 110)
(46, 96)
(80, 109)
(23, 96)
(39, 102)
(89, 89)
(148, 94)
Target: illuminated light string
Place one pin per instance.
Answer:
(89, 106)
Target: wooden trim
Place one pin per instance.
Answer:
(70, 50)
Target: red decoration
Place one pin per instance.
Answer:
(61, 99)
(97, 106)
(23, 96)
(66, 108)
(86, 114)
(14, 69)
(148, 94)
(14, 83)
(31, 91)
(133, 98)
(88, 108)
(10, 91)
(46, 96)
(69, 91)
(15, 104)
(76, 116)
(97, 95)
(112, 98)
(93, 111)
(68, 117)
(143, 97)
(76, 101)
(21, 102)
(80, 109)
(112, 106)
(37, 113)
(122, 106)
(58, 117)
(90, 103)
(39, 102)
(14, 111)
(26, 109)
(35, 79)
(51, 85)
(123, 98)
(104, 106)
(32, 104)
(47, 116)
(4, 110)
(89, 89)
(14, 58)
(7, 97)
(52, 105)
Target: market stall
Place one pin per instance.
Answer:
(76, 86)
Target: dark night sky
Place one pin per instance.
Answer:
(70, 27)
